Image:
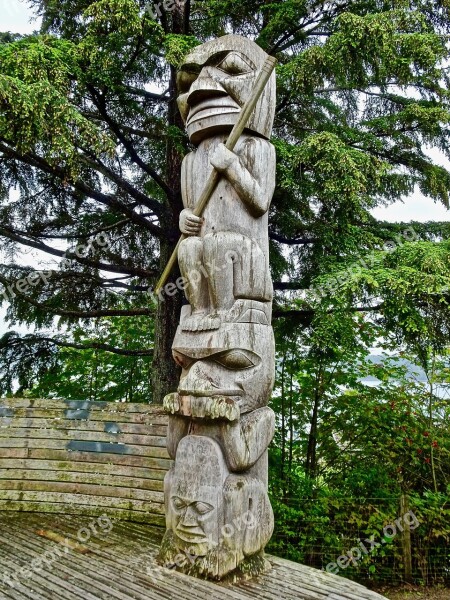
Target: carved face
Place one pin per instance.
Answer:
(234, 362)
(212, 515)
(195, 504)
(215, 82)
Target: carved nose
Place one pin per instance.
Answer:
(197, 382)
(189, 519)
(204, 87)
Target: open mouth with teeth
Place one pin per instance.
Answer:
(213, 407)
(212, 107)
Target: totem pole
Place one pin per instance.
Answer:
(218, 514)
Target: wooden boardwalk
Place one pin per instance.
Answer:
(74, 557)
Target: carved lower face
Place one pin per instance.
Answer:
(194, 518)
(215, 82)
(224, 371)
(194, 505)
(214, 519)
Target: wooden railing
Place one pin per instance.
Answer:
(78, 457)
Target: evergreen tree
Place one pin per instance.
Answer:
(91, 142)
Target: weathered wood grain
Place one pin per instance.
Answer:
(112, 407)
(81, 457)
(30, 465)
(80, 478)
(49, 433)
(94, 457)
(11, 423)
(95, 415)
(121, 566)
(94, 446)
(90, 510)
(85, 499)
(84, 489)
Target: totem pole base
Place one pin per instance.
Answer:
(203, 567)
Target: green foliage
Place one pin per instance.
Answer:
(355, 433)
(317, 531)
(91, 141)
(35, 85)
(94, 374)
(177, 46)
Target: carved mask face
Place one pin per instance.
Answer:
(227, 363)
(195, 504)
(214, 83)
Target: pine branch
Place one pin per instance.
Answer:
(123, 269)
(128, 145)
(291, 241)
(105, 199)
(146, 94)
(94, 346)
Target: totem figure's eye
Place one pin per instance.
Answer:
(178, 503)
(182, 360)
(202, 508)
(235, 64)
(185, 79)
(235, 359)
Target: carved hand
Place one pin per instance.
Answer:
(189, 223)
(222, 158)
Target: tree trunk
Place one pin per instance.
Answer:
(291, 432)
(283, 430)
(165, 371)
(312, 441)
(311, 458)
(406, 540)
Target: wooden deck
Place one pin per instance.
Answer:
(42, 558)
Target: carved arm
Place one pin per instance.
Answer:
(255, 190)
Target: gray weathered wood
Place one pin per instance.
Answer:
(217, 507)
(80, 457)
(9, 466)
(231, 141)
(111, 407)
(49, 433)
(121, 566)
(13, 423)
(94, 446)
(80, 478)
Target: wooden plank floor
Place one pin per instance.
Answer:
(58, 557)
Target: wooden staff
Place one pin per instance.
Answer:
(214, 178)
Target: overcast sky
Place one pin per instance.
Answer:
(16, 17)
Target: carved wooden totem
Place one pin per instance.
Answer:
(218, 514)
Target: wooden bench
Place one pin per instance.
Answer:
(78, 457)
